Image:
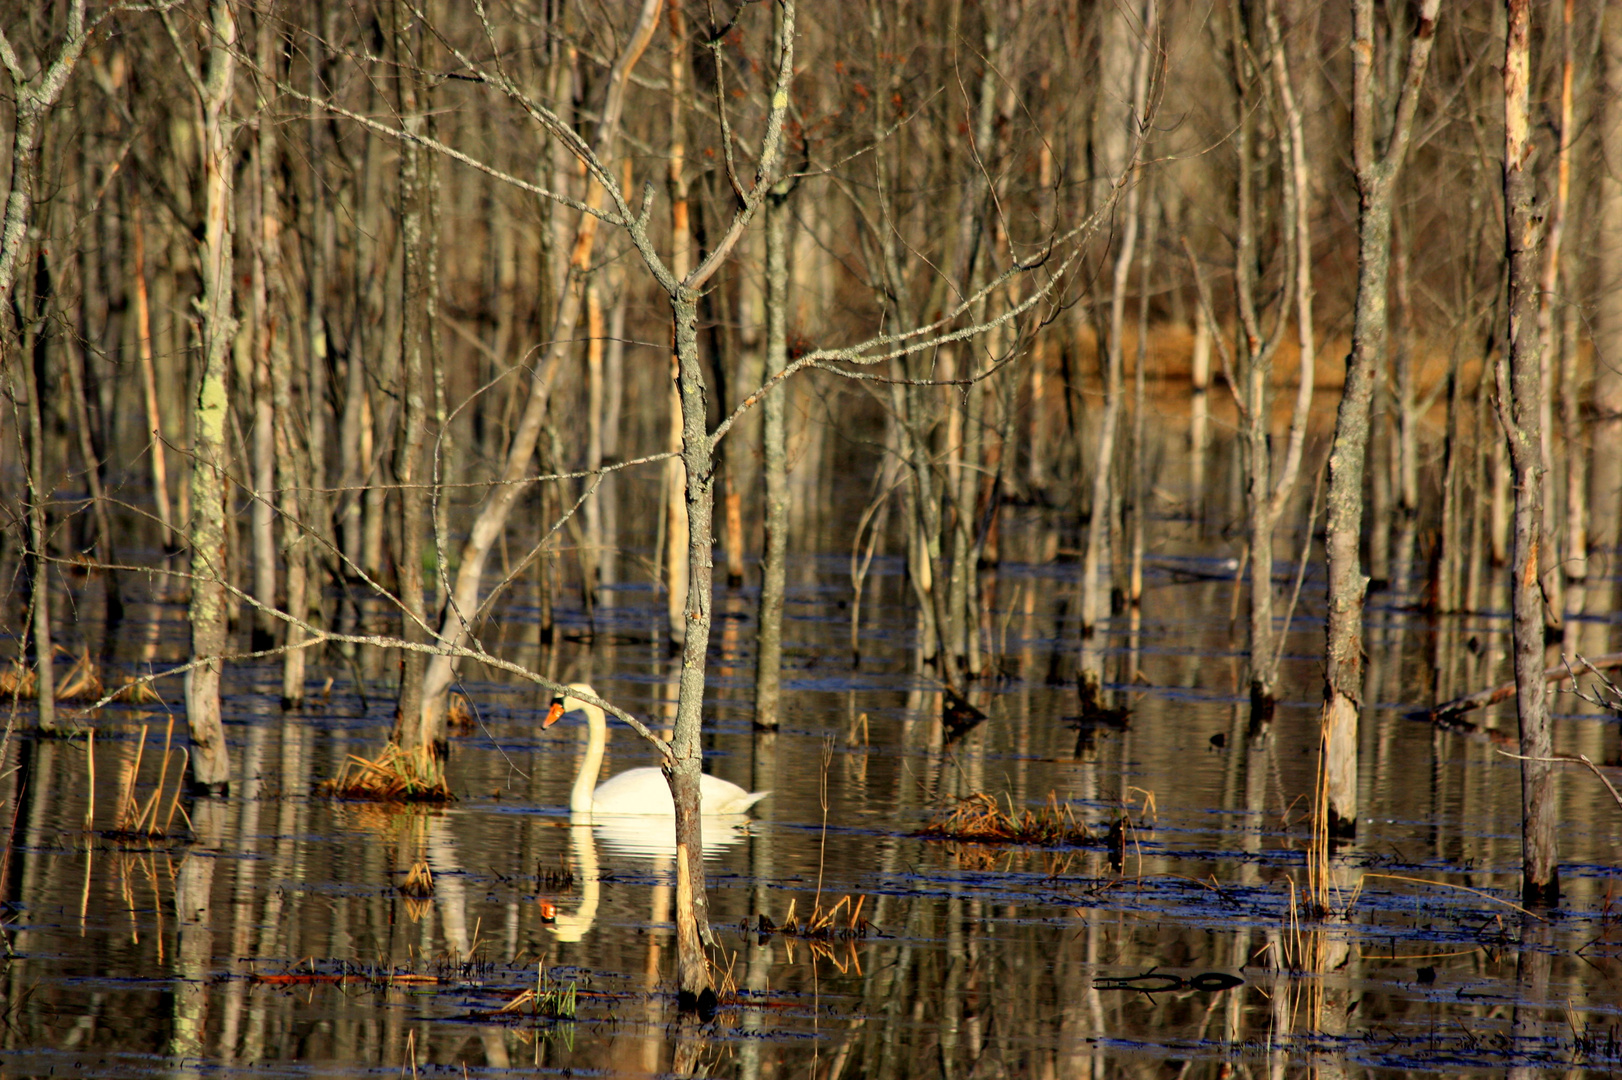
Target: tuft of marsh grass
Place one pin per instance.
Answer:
(979, 819)
(396, 775)
(553, 1000)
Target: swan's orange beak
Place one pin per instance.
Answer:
(553, 715)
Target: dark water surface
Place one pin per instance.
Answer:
(267, 935)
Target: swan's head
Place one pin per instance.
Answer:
(567, 702)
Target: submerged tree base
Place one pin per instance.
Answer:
(396, 775)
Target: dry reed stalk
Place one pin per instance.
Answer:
(90, 788)
(1318, 886)
(137, 819)
(820, 925)
(122, 821)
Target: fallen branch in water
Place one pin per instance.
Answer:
(1447, 712)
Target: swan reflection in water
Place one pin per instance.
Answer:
(639, 836)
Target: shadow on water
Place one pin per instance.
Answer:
(1172, 931)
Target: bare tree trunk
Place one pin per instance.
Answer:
(1520, 411)
(692, 904)
(1605, 479)
(210, 762)
(677, 529)
(1553, 380)
(1376, 182)
(411, 731)
(1268, 496)
(275, 354)
(773, 571)
(267, 312)
(1200, 411)
(1125, 96)
(157, 452)
(39, 566)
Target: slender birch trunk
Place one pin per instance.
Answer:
(410, 731)
(210, 761)
(1376, 182)
(1520, 411)
(1553, 381)
(1127, 102)
(1200, 411)
(290, 470)
(1268, 496)
(773, 571)
(39, 565)
(677, 529)
(266, 312)
(1605, 479)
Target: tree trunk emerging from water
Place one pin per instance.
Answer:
(774, 448)
(210, 761)
(1122, 104)
(1376, 183)
(415, 728)
(1520, 411)
(686, 772)
(1265, 496)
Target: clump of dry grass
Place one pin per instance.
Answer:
(419, 881)
(396, 775)
(19, 681)
(979, 819)
(80, 682)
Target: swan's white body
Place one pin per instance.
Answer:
(636, 791)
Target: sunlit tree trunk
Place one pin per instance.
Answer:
(1122, 99)
(414, 727)
(1605, 480)
(773, 573)
(1520, 411)
(1557, 380)
(157, 456)
(1376, 182)
(677, 528)
(692, 905)
(209, 761)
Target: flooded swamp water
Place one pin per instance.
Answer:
(269, 934)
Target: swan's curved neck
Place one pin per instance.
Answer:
(580, 801)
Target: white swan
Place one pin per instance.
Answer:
(635, 791)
